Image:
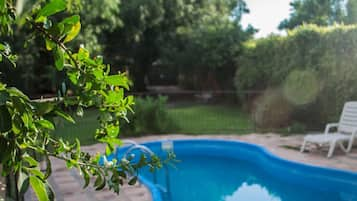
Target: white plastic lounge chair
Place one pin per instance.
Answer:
(346, 131)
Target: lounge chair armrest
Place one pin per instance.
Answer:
(329, 126)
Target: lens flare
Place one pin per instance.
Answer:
(301, 87)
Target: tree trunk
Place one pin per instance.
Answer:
(139, 81)
(139, 74)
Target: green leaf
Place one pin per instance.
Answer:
(23, 182)
(67, 24)
(112, 130)
(85, 176)
(70, 21)
(12, 58)
(19, 104)
(43, 108)
(36, 172)
(65, 116)
(99, 183)
(73, 76)
(98, 73)
(16, 125)
(83, 53)
(39, 188)
(112, 141)
(133, 180)
(109, 148)
(50, 193)
(48, 167)
(46, 124)
(15, 92)
(50, 8)
(78, 148)
(27, 119)
(5, 119)
(73, 32)
(50, 45)
(115, 97)
(31, 161)
(64, 146)
(2, 6)
(2, 86)
(117, 80)
(59, 58)
(70, 163)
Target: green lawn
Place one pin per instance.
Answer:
(192, 119)
(211, 119)
(84, 129)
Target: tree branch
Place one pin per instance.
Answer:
(55, 40)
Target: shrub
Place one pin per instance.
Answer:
(314, 66)
(272, 110)
(151, 117)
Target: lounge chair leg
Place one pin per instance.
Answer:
(303, 146)
(332, 148)
(349, 146)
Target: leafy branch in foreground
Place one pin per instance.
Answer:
(25, 125)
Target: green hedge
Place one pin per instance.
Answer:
(314, 68)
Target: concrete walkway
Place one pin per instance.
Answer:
(68, 183)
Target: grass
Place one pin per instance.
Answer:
(211, 119)
(192, 119)
(84, 129)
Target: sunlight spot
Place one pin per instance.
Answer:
(301, 87)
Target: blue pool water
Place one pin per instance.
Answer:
(213, 170)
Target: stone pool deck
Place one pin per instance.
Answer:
(67, 183)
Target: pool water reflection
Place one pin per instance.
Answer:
(248, 192)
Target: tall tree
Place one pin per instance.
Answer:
(150, 26)
(320, 12)
(204, 53)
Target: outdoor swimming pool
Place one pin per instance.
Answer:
(217, 170)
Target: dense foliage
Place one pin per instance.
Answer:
(311, 71)
(204, 52)
(319, 12)
(136, 35)
(167, 33)
(25, 124)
